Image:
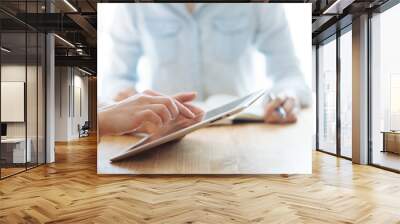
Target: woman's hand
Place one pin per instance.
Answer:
(142, 111)
(124, 93)
(183, 100)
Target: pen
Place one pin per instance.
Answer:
(281, 111)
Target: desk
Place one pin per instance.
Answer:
(16, 154)
(236, 149)
(391, 141)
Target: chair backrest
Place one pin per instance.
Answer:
(86, 125)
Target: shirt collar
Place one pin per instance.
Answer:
(181, 9)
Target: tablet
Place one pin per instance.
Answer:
(208, 118)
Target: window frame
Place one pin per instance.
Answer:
(334, 37)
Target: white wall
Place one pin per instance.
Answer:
(62, 107)
(79, 117)
(69, 82)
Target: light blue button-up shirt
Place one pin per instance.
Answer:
(207, 51)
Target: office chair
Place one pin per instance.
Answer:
(84, 130)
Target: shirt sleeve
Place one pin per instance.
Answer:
(123, 48)
(273, 39)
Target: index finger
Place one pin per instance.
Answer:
(181, 108)
(184, 110)
(185, 97)
(196, 110)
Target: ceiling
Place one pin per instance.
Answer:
(76, 22)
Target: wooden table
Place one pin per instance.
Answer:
(234, 149)
(391, 141)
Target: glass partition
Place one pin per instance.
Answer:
(15, 150)
(31, 100)
(22, 90)
(35, 87)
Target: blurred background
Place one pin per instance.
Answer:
(295, 14)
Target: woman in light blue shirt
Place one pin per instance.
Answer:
(205, 48)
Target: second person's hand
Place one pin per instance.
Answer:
(281, 110)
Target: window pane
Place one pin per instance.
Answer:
(346, 94)
(327, 97)
(386, 89)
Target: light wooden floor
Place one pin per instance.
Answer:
(69, 191)
(10, 171)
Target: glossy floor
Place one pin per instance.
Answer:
(386, 159)
(70, 191)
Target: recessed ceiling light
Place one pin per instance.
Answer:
(337, 7)
(70, 5)
(64, 40)
(84, 71)
(5, 50)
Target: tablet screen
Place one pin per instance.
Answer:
(227, 107)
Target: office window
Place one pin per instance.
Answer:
(385, 87)
(327, 96)
(346, 93)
